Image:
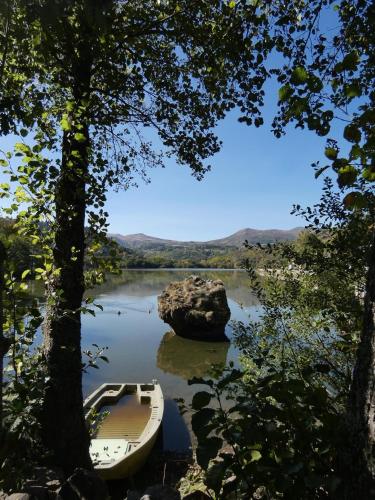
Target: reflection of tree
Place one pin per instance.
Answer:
(189, 358)
(153, 282)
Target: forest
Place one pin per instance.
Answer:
(22, 254)
(81, 84)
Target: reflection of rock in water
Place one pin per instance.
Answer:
(189, 358)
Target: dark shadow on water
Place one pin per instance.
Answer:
(176, 436)
(190, 358)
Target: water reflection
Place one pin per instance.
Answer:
(140, 350)
(189, 358)
(149, 282)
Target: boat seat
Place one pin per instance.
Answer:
(106, 451)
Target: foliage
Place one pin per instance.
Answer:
(282, 414)
(94, 356)
(95, 419)
(93, 79)
(195, 257)
(24, 381)
(330, 76)
(281, 434)
(19, 250)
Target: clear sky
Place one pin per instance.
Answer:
(254, 181)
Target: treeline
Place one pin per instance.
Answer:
(215, 258)
(22, 254)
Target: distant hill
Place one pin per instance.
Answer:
(142, 241)
(254, 236)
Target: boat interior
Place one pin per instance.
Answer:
(129, 412)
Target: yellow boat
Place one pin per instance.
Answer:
(128, 432)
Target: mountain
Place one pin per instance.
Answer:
(144, 242)
(254, 236)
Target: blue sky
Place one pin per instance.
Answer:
(254, 181)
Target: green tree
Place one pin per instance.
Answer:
(326, 74)
(329, 76)
(282, 414)
(104, 72)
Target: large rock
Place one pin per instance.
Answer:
(195, 308)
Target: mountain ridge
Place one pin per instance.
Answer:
(253, 236)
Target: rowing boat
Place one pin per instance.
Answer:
(128, 432)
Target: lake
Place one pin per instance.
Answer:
(141, 346)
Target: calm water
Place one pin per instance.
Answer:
(141, 346)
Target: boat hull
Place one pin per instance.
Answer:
(140, 447)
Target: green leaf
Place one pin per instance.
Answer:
(69, 106)
(200, 380)
(199, 421)
(255, 455)
(65, 124)
(355, 200)
(232, 4)
(201, 399)
(352, 133)
(21, 148)
(347, 175)
(214, 477)
(314, 84)
(331, 153)
(285, 92)
(25, 273)
(299, 75)
(208, 450)
(352, 90)
(355, 152)
(79, 137)
(369, 174)
(228, 379)
(350, 61)
(319, 172)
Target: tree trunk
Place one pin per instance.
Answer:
(63, 425)
(360, 416)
